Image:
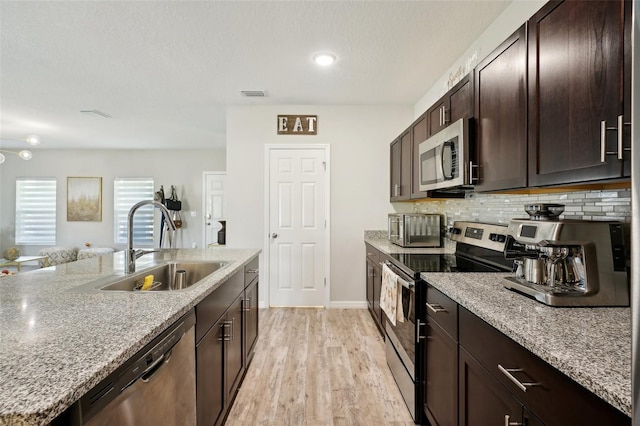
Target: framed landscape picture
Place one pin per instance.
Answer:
(84, 199)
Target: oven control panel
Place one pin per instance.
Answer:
(486, 235)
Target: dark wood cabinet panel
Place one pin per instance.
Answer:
(419, 133)
(400, 168)
(554, 398)
(437, 116)
(233, 356)
(374, 286)
(209, 379)
(461, 100)
(483, 400)
(250, 320)
(441, 376)
(577, 73)
(501, 120)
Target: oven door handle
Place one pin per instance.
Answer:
(406, 282)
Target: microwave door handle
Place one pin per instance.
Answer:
(452, 145)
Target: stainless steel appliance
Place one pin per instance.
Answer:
(568, 262)
(156, 386)
(445, 159)
(479, 248)
(415, 229)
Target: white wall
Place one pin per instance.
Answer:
(182, 168)
(359, 137)
(516, 14)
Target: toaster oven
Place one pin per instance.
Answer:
(415, 229)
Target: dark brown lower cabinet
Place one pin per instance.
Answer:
(483, 400)
(441, 376)
(374, 286)
(209, 376)
(493, 367)
(233, 356)
(250, 320)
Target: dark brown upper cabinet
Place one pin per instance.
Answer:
(419, 132)
(579, 83)
(455, 104)
(501, 115)
(400, 167)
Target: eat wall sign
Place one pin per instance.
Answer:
(297, 124)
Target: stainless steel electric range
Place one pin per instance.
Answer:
(479, 248)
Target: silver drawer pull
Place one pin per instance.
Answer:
(507, 372)
(436, 308)
(252, 271)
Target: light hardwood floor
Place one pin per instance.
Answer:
(318, 367)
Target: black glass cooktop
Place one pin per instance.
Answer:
(448, 263)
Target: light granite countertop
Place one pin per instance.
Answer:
(57, 343)
(590, 345)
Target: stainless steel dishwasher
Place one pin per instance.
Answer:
(155, 387)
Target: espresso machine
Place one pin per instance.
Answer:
(562, 262)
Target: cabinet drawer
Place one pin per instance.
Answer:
(373, 255)
(251, 271)
(549, 394)
(214, 305)
(443, 311)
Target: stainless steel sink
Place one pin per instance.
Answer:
(170, 276)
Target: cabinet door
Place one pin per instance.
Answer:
(370, 286)
(460, 100)
(250, 320)
(209, 378)
(441, 376)
(377, 288)
(483, 400)
(501, 120)
(437, 116)
(419, 133)
(395, 168)
(233, 359)
(576, 81)
(405, 166)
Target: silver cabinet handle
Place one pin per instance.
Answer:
(444, 115)
(253, 271)
(224, 327)
(471, 167)
(436, 308)
(418, 325)
(508, 422)
(396, 190)
(246, 302)
(507, 372)
(603, 139)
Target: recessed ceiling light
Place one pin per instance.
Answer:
(324, 59)
(33, 140)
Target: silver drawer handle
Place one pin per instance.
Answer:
(252, 271)
(507, 372)
(436, 308)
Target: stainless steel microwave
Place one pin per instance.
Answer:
(444, 158)
(415, 229)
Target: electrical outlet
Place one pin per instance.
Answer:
(194, 245)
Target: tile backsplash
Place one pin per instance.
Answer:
(500, 208)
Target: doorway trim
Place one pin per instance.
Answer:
(327, 235)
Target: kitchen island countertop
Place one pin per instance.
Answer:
(56, 343)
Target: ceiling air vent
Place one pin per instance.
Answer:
(95, 113)
(253, 93)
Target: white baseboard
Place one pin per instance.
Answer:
(344, 304)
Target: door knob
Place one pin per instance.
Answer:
(274, 235)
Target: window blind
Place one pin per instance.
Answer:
(36, 211)
(126, 193)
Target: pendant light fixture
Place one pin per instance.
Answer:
(25, 154)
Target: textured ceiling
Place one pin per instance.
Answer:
(165, 71)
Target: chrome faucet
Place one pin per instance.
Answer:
(131, 255)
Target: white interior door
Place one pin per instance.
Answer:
(214, 205)
(298, 229)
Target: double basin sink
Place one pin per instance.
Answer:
(169, 276)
